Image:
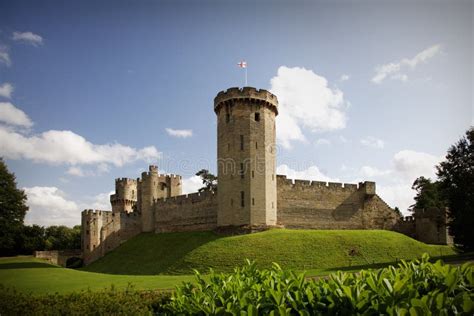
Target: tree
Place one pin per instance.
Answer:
(13, 209)
(208, 179)
(397, 211)
(62, 237)
(428, 194)
(456, 176)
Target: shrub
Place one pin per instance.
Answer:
(110, 302)
(413, 288)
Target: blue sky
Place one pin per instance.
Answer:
(369, 90)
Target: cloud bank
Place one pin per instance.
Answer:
(305, 102)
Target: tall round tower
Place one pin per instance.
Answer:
(246, 157)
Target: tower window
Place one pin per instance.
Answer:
(228, 146)
(241, 170)
(253, 201)
(241, 142)
(227, 117)
(256, 145)
(257, 117)
(242, 198)
(273, 177)
(253, 174)
(273, 205)
(231, 202)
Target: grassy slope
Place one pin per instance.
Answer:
(179, 253)
(28, 274)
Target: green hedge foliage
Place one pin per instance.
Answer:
(414, 288)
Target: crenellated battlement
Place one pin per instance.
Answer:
(250, 94)
(297, 183)
(185, 198)
(125, 181)
(91, 212)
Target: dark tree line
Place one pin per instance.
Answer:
(454, 189)
(18, 238)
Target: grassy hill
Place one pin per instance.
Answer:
(31, 275)
(179, 253)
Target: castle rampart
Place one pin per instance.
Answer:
(321, 205)
(192, 212)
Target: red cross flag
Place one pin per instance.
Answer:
(242, 64)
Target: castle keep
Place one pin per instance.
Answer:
(250, 195)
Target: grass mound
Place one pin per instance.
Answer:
(30, 275)
(180, 253)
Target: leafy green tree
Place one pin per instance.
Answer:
(208, 179)
(62, 237)
(397, 211)
(428, 194)
(13, 209)
(456, 176)
(32, 239)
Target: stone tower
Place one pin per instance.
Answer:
(246, 157)
(125, 196)
(153, 186)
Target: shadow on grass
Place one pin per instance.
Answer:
(451, 259)
(25, 265)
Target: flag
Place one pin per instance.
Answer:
(242, 64)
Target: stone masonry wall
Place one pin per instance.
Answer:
(192, 212)
(321, 205)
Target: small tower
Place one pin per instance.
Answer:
(125, 196)
(153, 186)
(246, 157)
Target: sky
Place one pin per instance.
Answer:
(95, 90)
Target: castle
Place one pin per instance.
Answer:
(250, 195)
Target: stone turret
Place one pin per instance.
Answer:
(246, 157)
(125, 197)
(153, 186)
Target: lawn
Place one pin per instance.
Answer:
(180, 253)
(28, 274)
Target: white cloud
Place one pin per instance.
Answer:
(5, 56)
(192, 184)
(372, 142)
(49, 206)
(342, 139)
(311, 173)
(305, 101)
(371, 172)
(411, 164)
(75, 171)
(393, 70)
(344, 77)
(28, 37)
(66, 147)
(396, 182)
(11, 115)
(100, 202)
(323, 141)
(180, 133)
(6, 90)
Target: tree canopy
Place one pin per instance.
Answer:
(13, 209)
(456, 177)
(208, 179)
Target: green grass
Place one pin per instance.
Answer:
(314, 250)
(31, 275)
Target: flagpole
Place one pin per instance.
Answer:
(245, 76)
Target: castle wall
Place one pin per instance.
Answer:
(104, 231)
(192, 212)
(321, 205)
